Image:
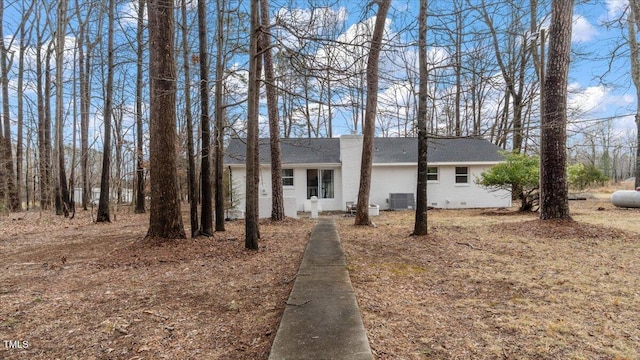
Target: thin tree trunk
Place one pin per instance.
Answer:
(72, 176)
(103, 214)
(277, 196)
(362, 212)
(206, 221)
(42, 166)
(633, 26)
(253, 166)
(10, 177)
(219, 120)
(84, 67)
(20, 130)
(46, 114)
(140, 191)
(553, 181)
(420, 226)
(193, 183)
(63, 189)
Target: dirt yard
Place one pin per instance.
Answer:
(484, 284)
(72, 289)
(496, 284)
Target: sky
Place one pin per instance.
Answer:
(600, 87)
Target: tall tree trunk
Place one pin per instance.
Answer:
(277, 196)
(219, 119)
(46, 178)
(553, 162)
(458, 39)
(10, 176)
(42, 166)
(206, 213)
(103, 214)
(362, 212)
(20, 131)
(140, 191)
(72, 175)
(420, 226)
(633, 27)
(253, 165)
(165, 220)
(62, 188)
(118, 117)
(193, 182)
(84, 68)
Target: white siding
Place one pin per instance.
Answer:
(446, 194)
(387, 180)
(297, 191)
(351, 157)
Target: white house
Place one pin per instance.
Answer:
(329, 168)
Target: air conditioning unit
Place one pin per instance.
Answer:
(402, 201)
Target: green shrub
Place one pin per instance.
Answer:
(581, 176)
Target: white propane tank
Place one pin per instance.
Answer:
(626, 198)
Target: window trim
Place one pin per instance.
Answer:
(286, 177)
(464, 175)
(319, 185)
(436, 174)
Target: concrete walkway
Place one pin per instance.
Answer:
(322, 319)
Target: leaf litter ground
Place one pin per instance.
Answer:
(499, 284)
(74, 289)
(484, 284)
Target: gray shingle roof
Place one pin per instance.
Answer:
(386, 151)
(293, 151)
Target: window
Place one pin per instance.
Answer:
(287, 177)
(462, 175)
(432, 173)
(320, 183)
(327, 184)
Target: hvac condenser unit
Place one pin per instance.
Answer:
(400, 201)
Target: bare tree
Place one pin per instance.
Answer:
(20, 176)
(252, 232)
(420, 226)
(165, 220)
(554, 203)
(512, 63)
(140, 191)
(5, 139)
(362, 212)
(633, 25)
(103, 214)
(84, 68)
(193, 183)
(277, 196)
(206, 220)
(220, 114)
(44, 116)
(62, 188)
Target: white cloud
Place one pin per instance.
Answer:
(583, 31)
(595, 101)
(309, 23)
(586, 100)
(616, 7)
(128, 12)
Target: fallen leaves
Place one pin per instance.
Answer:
(489, 284)
(76, 289)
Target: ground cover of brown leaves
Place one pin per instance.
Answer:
(498, 284)
(73, 289)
